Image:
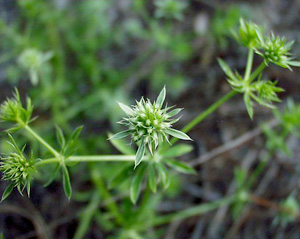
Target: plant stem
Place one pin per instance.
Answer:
(90, 158)
(193, 211)
(257, 71)
(206, 113)
(43, 142)
(97, 158)
(249, 64)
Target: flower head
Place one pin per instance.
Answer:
(277, 50)
(149, 124)
(249, 34)
(16, 169)
(13, 111)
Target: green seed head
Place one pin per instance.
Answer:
(16, 169)
(149, 124)
(13, 111)
(249, 34)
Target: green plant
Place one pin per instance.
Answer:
(149, 125)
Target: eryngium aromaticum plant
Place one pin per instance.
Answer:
(17, 170)
(149, 124)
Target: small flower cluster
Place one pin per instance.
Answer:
(249, 34)
(277, 50)
(272, 48)
(13, 111)
(17, 170)
(149, 125)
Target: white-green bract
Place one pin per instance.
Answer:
(149, 124)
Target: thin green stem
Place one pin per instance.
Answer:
(249, 64)
(193, 211)
(99, 158)
(206, 113)
(42, 141)
(257, 71)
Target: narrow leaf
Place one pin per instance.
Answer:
(139, 155)
(178, 150)
(151, 178)
(66, 182)
(135, 188)
(7, 192)
(126, 109)
(226, 69)
(60, 136)
(163, 173)
(120, 135)
(161, 97)
(180, 166)
(76, 133)
(248, 105)
(178, 134)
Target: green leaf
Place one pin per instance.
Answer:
(161, 97)
(7, 192)
(248, 104)
(180, 166)
(121, 146)
(120, 135)
(227, 70)
(139, 154)
(60, 136)
(135, 188)
(53, 175)
(178, 150)
(151, 177)
(66, 182)
(76, 133)
(126, 109)
(123, 175)
(163, 174)
(178, 134)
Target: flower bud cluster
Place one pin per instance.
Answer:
(13, 111)
(149, 124)
(276, 49)
(16, 169)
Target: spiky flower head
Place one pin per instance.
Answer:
(13, 111)
(249, 34)
(149, 124)
(277, 50)
(17, 170)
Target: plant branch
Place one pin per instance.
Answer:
(42, 141)
(249, 64)
(206, 113)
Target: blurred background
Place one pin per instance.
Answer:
(75, 59)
